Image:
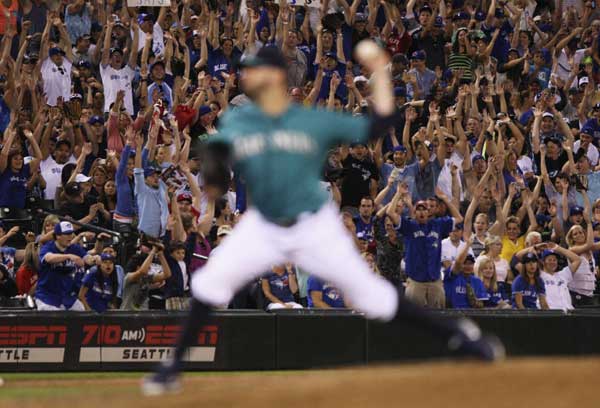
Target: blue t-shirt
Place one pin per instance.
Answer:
(423, 247)
(100, 290)
(495, 297)
(502, 45)
(595, 125)
(529, 292)
(58, 282)
(364, 230)
(341, 91)
(331, 295)
(13, 187)
(280, 286)
(455, 286)
(218, 62)
(543, 76)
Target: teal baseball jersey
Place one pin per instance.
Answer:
(281, 158)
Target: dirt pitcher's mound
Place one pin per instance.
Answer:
(530, 383)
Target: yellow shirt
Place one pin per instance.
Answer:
(509, 248)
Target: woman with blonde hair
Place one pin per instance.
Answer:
(492, 249)
(27, 274)
(582, 243)
(47, 234)
(485, 269)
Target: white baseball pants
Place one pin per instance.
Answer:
(318, 243)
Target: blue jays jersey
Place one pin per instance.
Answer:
(100, 291)
(529, 292)
(56, 281)
(423, 247)
(455, 286)
(280, 286)
(331, 295)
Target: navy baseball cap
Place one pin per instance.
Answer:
(529, 257)
(150, 170)
(204, 110)
(476, 158)
(360, 18)
(461, 15)
(400, 148)
(331, 54)
(587, 130)
(480, 16)
(95, 119)
(469, 258)
(107, 257)
(427, 8)
(499, 12)
(64, 228)
(439, 22)
(459, 226)
(115, 49)
(418, 55)
(399, 91)
(596, 106)
(266, 57)
(547, 252)
(576, 210)
(56, 51)
(144, 17)
(84, 64)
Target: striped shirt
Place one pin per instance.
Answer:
(458, 61)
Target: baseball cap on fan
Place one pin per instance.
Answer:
(64, 228)
(265, 57)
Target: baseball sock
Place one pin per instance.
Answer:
(196, 318)
(418, 316)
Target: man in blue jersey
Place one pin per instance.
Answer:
(323, 295)
(423, 252)
(61, 264)
(279, 148)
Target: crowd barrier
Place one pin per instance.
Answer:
(253, 340)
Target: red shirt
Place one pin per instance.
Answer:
(397, 44)
(25, 279)
(8, 15)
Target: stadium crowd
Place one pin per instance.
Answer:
(486, 194)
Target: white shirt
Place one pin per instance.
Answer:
(445, 178)
(557, 292)
(115, 80)
(564, 69)
(584, 281)
(501, 269)
(158, 40)
(57, 80)
(592, 152)
(51, 171)
(450, 252)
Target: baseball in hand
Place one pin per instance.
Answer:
(367, 50)
(370, 55)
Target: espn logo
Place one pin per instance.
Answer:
(155, 342)
(33, 335)
(22, 337)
